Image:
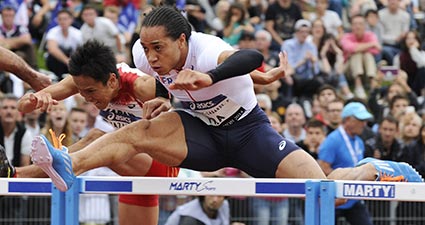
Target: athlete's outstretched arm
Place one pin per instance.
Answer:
(13, 63)
(273, 74)
(237, 64)
(154, 96)
(47, 97)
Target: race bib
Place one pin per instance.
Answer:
(218, 111)
(121, 115)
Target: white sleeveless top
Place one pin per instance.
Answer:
(220, 104)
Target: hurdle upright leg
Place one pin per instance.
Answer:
(72, 200)
(58, 207)
(327, 202)
(312, 209)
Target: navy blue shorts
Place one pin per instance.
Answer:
(250, 145)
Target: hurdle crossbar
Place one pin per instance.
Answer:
(65, 204)
(319, 195)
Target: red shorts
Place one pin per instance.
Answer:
(157, 170)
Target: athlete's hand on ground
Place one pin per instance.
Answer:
(40, 82)
(40, 100)
(191, 80)
(154, 107)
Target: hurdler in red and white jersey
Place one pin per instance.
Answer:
(123, 110)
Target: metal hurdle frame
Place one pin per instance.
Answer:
(64, 210)
(319, 195)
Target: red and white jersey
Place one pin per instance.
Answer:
(218, 104)
(125, 108)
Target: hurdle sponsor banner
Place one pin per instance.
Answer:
(25, 186)
(192, 186)
(371, 190)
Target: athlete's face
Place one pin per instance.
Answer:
(95, 92)
(162, 52)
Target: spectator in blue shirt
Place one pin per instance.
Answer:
(302, 60)
(344, 148)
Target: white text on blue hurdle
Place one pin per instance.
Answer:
(369, 190)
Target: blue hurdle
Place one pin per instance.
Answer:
(317, 210)
(65, 204)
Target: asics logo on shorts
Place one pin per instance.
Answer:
(282, 145)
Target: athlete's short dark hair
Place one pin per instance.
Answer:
(171, 19)
(93, 59)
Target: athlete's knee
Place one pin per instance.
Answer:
(141, 126)
(336, 174)
(136, 132)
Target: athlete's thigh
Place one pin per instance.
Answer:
(138, 165)
(175, 139)
(205, 149)
(161, 137)
(135, 215)
(261, 150)
(299, 164)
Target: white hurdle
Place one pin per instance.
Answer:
(317, 210)
(366, 190)
(65, 204)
